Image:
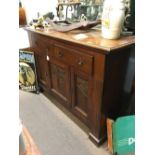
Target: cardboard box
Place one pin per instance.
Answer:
(121, 135)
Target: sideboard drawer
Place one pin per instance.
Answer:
(41, 45)
(37, 43)
(79, 60)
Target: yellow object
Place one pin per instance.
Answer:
(26, 74)
(106, 23)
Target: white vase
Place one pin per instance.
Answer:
(112, 18)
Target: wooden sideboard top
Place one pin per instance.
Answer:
(90, 38)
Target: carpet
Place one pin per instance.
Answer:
(52, 130)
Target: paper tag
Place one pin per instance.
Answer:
(80, 36)
(47, 58)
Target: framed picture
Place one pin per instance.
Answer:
(27, 71)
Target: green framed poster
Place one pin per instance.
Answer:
(27, 71)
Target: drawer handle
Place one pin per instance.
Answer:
(80, 62)
(60, 54)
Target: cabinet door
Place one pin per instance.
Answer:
(81, 94)
(60, 81)
(42, 70)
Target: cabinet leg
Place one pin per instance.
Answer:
(98, 135)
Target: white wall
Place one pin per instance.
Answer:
(41, 6)
(31, 9)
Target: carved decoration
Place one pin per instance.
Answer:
(82, 85)
(54, 69)
(59, 72)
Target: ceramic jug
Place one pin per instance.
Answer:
(112, 18)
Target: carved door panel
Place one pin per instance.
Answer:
(60, 82)
(42, 70)
(81, 94)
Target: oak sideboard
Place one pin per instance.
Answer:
(84, 72)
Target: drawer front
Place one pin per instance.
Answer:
(41, 45)
(37, 43)
(79, 60)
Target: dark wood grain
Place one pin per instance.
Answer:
(77, 59)
(81, 91)
(92, 89)
(92, 38)
(115, 71)
(60, 81)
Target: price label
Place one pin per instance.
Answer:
(47, 58)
